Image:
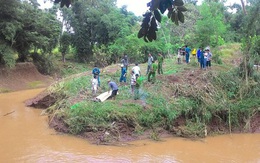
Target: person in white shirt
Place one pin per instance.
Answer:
(133, 82)
(205, 54)
(136, 69)
(150, 61)
(94, 82)
(179, 56)
(209, 56)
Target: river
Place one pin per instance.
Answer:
(26, 137)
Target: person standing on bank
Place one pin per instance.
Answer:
(113, 86)
(150, 61)
(179, 56)
(199, 55)
(94, 83)
(123, 74)
(133, 81)
(160, 62)
(209, 56)
(125, 61)
(136, 69)
(137, 87)
(96, 73)
(152, 72)
(187, 54)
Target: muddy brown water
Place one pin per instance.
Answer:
(26, 137)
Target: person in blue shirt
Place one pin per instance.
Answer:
(187, 52)
(113, 86)
(123, 74)
(200, 57)
(96, 73)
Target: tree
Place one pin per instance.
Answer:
(65, 42)
(251, 41)
(9, 24)
(235, 21)
(210, 27)
(25, 27)
(98, 25)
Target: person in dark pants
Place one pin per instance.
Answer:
(113, 86)
(124, 61)
(150, 61)
(209, 56)
(123, 74)
(187, 54)
(151, 75)
(160, 62)
(137, 87)
(96, 73)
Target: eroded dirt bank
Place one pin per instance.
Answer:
(22, 76)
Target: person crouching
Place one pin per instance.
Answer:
(113, 86)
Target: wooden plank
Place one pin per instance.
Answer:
(102, 97)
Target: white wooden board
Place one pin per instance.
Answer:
(102, 97)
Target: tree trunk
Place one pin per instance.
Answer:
(63, 58)
(22, 57)
(243, 6)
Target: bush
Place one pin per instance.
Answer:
(7, 55)
(217, 58)
(44, 63)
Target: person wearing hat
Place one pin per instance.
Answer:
(113, 86)
(123, 74)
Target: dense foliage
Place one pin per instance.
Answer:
(23, 28)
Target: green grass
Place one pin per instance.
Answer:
(35, 84)
(4, 90)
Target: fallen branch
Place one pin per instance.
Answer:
(8, 113)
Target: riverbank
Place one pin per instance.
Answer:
(185, 102)
(164, 110)
(23, 76)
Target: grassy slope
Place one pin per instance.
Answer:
(184, 101)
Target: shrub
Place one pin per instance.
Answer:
(44, 63)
